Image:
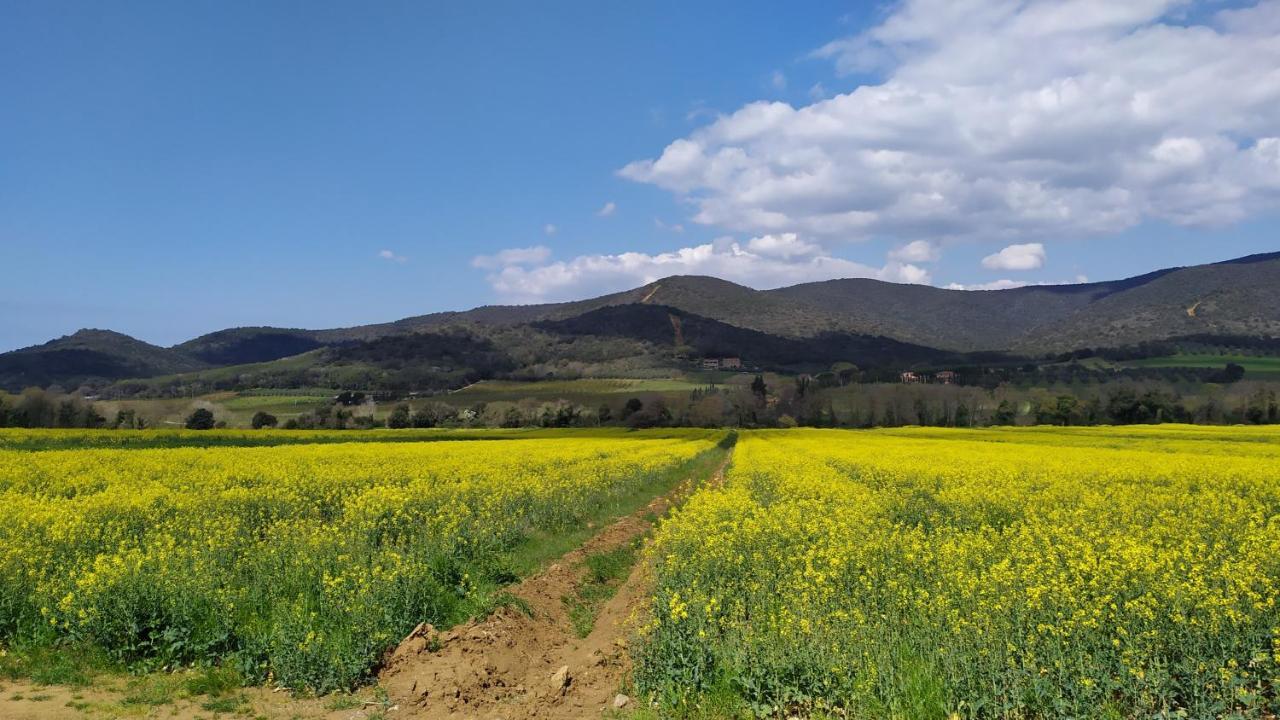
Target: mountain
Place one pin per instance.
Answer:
(660, 325)
(1237, 297)
(238, 346)
(90, 357)
(868, 322)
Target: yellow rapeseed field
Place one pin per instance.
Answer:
(930, 573)
(300, 562)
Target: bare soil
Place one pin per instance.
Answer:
(527, 662)
(24, 700)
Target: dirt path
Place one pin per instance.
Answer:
(528, 662)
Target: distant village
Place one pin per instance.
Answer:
(943, 377)
(910, 377)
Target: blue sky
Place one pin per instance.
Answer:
(167, 169)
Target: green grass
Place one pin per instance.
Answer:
(605, 573)
(75, 666)
(153, 690)
(584, 390)
(226, 704)
(1250, 363)
(271, 403)
(214, 681)
(343, 701)
(540, 548)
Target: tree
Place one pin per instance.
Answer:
(92, 418)
(1232, 373)
(604, 414)
(68, 414)
(400, 417)
(201, 419)
(426, 417)
(802, 385)
(633, 406)
(513, 418)
(1066, 410)
(759, 389)
(263, 419)
(1004, 414)
(847, 372)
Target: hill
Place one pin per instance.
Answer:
(1237, 297)
(89, 357)
(237, 346)
(869, 322)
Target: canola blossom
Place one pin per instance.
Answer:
(931, 573)
(303, 563)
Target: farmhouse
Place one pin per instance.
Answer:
(728, 363)
(946, 377)
(911, 377)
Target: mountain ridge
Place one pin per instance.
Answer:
(1236, 297)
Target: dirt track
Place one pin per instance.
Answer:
(513, 664)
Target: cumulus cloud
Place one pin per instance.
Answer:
(916, 251)
(607, 209)
(1007, 121)
(1025, 256)
(764, 261)
(512, 257)
(391, 256)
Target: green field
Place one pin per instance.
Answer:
(1251, 364)
(274, 404)
(591, 389)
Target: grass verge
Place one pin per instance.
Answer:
(606, 572)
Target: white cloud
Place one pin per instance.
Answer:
(916, 251)
(512, 257)
(778, 81)
(607, 209)
(674, 227)
(550, 229)
(389, 255)
(1010, 122)
(817, 92)
(1004, 284)
(784, 245)
(764, 261)
(1026, 256)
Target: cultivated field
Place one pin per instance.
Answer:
(1003, 573)
(1265, 367)
(303, 563)
(906, 573)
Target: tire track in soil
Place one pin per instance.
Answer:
(506, 666)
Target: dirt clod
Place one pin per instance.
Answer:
(560, 679)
